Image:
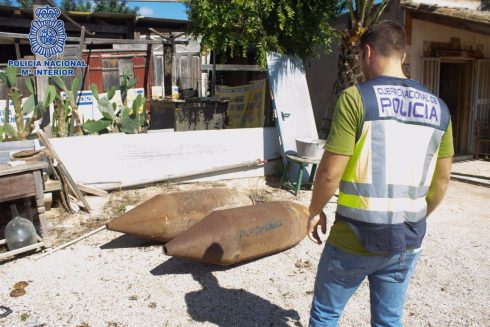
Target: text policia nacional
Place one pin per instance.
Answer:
(47, 67)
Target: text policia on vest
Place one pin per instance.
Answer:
(408, 104)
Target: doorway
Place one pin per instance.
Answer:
(455, 87)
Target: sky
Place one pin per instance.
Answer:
(161, 10)
(155, 9)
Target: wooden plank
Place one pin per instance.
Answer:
(38, 183)
(17, 145)
(72, 242)
(233, 68)
(28, 166)
(92, 190)
(91, 40)
(51, 186)
(19, 22)
(127, 41)
(17, 185)
(21, 250)
(73, 185)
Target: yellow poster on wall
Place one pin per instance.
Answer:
(247, 103)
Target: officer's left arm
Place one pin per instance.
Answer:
(439, 184)
(328, 175)
(346, 122)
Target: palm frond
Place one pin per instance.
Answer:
(351, 12)
(374, 16)
(365, 4)
(358, 12)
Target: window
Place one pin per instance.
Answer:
(158, 70)
(113, 70)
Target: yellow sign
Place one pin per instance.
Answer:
(247, 103)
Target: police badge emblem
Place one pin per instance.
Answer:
(47, 34)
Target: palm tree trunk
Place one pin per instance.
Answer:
(349, 64)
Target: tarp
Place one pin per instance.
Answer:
(247, 103)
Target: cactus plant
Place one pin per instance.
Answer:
(31, 105)
(66, 109)
(130, 120)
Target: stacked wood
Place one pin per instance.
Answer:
(68, 186)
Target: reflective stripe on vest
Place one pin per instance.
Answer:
(388, 176)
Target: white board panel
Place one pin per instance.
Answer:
(291, 102)
(119, 160)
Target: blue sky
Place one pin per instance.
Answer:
(154, 9)
(161, 10)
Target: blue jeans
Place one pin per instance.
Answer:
(340, 274)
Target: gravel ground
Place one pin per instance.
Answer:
(110, 279)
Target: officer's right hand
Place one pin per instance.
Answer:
(313, 223)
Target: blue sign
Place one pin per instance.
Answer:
(47, 35)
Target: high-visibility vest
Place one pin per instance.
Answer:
(382, 194)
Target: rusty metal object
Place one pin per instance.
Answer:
(166, 215)
(226, 237)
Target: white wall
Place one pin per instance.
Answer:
(426, 31)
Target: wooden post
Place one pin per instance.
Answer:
(146, 84)
(213, 80)
(167, 69)
(17, 49)
(81, 47)
(42, 81)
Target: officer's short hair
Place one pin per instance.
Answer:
(386, 37)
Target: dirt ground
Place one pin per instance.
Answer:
(110, 279)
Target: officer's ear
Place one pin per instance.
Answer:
(367, 51)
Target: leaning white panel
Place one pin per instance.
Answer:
(118, 160)
(291, 101)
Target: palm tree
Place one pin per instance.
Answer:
(362, 14)
(75, 5)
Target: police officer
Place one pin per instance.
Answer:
(389, 151)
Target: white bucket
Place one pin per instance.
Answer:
(310, 148)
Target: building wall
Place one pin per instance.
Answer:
(95, 73)
(427, 31)
(321, 73)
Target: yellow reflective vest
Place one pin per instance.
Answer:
(384, 187)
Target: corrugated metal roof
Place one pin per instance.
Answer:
(475, 16)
